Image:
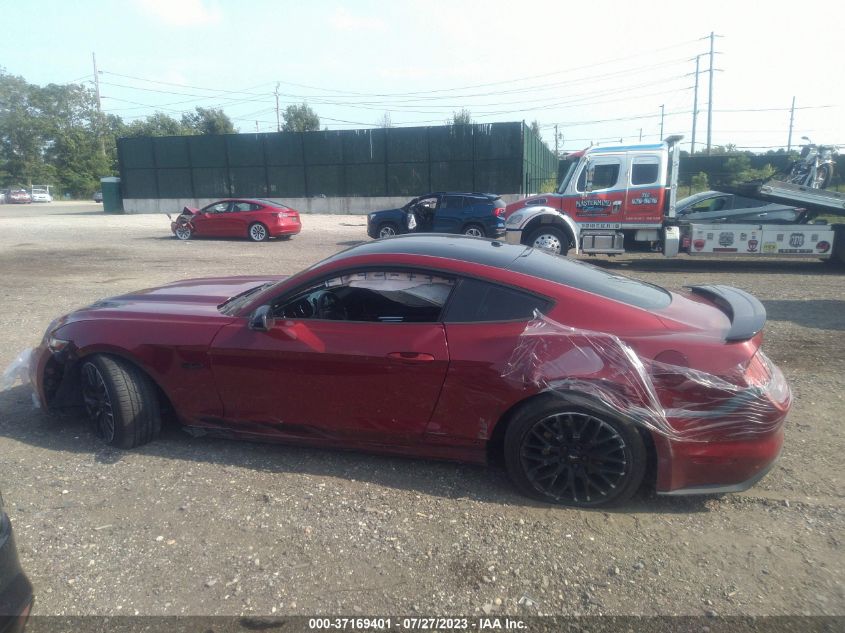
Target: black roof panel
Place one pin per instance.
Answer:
(458, 247)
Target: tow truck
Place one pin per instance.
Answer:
(613, 196)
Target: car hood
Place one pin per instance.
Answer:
(387, 210)
(189, 298)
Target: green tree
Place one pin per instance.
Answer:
(535, 127)
(158, 124)
(52, 135)
(699, 182)
(208, 121)
(738, 169)
(300, 118)
(461, 117)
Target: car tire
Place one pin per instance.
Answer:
(257, 232)
(474, 230)
(387, 229)
(183, 232)
(121, 401)
(572, 456)
(549, 238)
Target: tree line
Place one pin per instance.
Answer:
(56, 135)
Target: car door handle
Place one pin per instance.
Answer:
(413, 357)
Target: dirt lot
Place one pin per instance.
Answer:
(201, 526)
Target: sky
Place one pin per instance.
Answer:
(598, 70)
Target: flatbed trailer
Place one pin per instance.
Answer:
(816, 201)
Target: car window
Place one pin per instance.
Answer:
(645, 170)
(711, 204)
(245, 206)
(386, 296)
(217, 207)
(605, 176)
(476, 301)
(454, 202)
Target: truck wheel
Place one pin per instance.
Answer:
(550, 238)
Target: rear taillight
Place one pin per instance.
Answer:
(499, 212)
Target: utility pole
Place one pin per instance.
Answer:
(97, 83)
(710, 98)
(641, 134)
(695, 105)
(278, 120)
(256, 127)
(662, 112)
(556, 152)
(791, 119)
(99, 103)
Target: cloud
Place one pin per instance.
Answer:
(343, 20)
(181, 12)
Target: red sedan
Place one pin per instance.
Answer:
(445, 347)
(254, 218)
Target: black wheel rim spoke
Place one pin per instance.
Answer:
(574, 456)
(97, 401)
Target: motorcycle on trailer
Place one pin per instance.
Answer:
(814, 168)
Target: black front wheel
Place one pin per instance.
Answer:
(572, 456)
(121, 401)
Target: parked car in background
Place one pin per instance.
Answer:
(15, 588)
(473, 214)
(717, 206)
(254, 218)
(430, 346)
(19, 196)
(98, 196)
(41, 193)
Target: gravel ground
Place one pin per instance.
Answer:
(202, 526)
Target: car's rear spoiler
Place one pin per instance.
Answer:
(747, 314)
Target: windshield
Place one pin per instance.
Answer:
(565, 182)
(233, 304)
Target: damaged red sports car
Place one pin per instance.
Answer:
(447, 347)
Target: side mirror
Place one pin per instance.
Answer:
(262, 319)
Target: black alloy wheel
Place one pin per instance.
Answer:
(98, 403)
(573, 456)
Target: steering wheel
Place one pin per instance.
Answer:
(328, 306)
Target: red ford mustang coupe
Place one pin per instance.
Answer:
(250, 217)
(446, 347)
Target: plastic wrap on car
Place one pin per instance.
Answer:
(17, 371)
(599, 371)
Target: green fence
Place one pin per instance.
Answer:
(496, 157)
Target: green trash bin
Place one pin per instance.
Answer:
(112, 199)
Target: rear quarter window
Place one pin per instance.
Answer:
(591, 279)
(477, 301)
